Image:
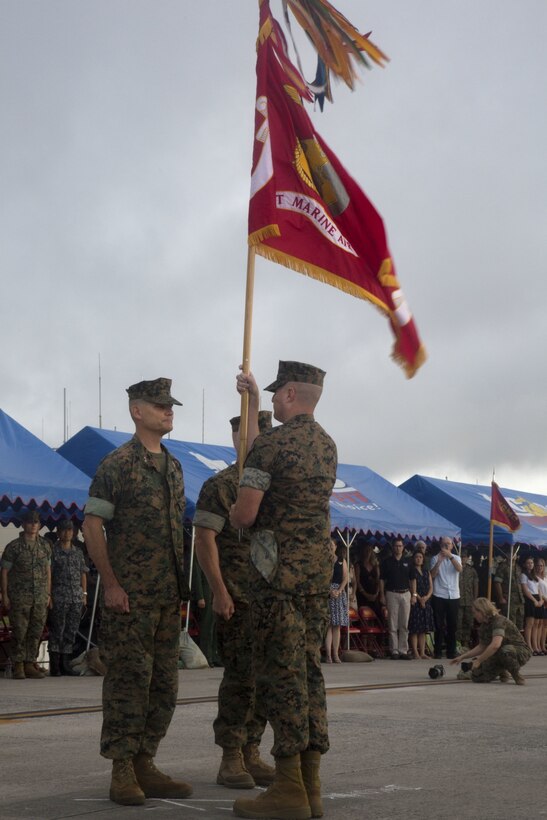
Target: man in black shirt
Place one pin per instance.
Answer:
(395, 594)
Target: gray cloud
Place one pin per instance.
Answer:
(125, 159)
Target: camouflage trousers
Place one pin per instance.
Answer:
(465, 625)
(507, 659)
(64, 620)
(290, 691)
(237, 723)
(140, 650)
(27, 620)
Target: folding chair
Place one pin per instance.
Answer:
(373, 632)
(355, 641)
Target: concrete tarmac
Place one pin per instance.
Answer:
(402, 746)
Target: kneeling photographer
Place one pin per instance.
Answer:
(501, 651)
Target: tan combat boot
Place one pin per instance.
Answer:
(261, 773)
(310, 763)
(284, 799)
(232, 772)
(19, 671)
(514, 670)
(32, 672)
(155, 783)
(124, 788)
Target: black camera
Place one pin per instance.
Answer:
(466, 666)
(436, 671)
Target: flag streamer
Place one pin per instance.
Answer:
(337, 42)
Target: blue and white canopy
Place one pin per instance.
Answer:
(33, 476)
(468, 506)
(362, 500)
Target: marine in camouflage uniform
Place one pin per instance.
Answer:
(501, 651)
(68, 594)
(26, 586)
(512, 654)
(469, 590)
(138, 495)
(501, 587)
(237, 726)
(284, 494)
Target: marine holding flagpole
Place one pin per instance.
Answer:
(306, 213)
(283, 498)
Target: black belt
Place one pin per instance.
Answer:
(398, 591)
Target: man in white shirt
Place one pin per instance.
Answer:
(445, 570)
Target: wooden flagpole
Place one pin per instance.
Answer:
(246, 359)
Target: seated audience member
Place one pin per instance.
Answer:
(421, 619)
(501, 651)
(533, 605)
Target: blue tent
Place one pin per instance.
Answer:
(361, 500)
(468, 506)
(33, 476)
(199, 461)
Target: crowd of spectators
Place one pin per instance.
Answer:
(423, 594)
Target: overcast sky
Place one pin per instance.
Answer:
(126, 141)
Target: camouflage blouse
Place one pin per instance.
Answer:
(212, 512)
(502, 577)
(67, 568)
(142, 507)
(27, 563)
(295, 466)
(500, 626)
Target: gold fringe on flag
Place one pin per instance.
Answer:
(325, 276)
(264, 233)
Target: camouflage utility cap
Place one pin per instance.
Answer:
(296, 372)
(157, 391)
(31, 517)
(66, 524)
(264, 421)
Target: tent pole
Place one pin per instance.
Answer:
(510, 582)
(347, 545)
(93, 611)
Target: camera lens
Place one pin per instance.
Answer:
(436, 671)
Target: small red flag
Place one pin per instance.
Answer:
(501, 513)
(305, 211)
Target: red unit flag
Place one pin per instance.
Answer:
(501, 512)
(306, 212)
